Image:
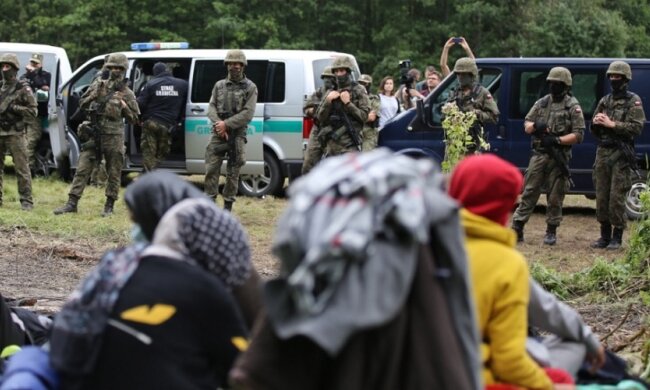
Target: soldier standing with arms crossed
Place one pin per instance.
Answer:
(343, 112)
(231, 109)
(106, 102)
(618, 118)
(17, 107)
(557, 122)
(315, 149)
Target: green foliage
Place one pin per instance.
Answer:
(456, 125)
(638, 252)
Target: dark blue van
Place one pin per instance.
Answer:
(515, 84)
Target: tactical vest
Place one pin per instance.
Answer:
(466, 103)
(231, 97)
(9, 121)
(558, 117)
(616, 110)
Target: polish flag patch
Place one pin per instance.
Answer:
(637, 103)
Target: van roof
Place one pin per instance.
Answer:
(559, 60)
(32, 47)
(251, 54)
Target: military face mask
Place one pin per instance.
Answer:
(465, 79)
(117, 73)
(328, 83)
(618, 85)
(9, 74)
(235, 72)
(343, 81)
(557, 89)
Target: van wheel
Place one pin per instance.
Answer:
(633, 204)
(266, 184)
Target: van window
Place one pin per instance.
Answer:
(208, 72)
(529, 86)
(490, 78)
(276, 83)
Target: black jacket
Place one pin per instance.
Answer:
(163, 99)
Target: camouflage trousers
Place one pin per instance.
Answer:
(612, 181)
(314, 152)
(113, 153)
(33, 132)
(155, 143)
(369, 136)
(217, 151)
(542, 172)
(16, 146)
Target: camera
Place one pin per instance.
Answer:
(457, 40)
(404, 67)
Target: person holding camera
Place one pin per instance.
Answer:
(451, 42)
(343, 112)
(472, 96)
(408, 93)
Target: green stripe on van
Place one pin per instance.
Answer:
(204, 126)
(287, 126)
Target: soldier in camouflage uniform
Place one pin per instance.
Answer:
(618, 118)
(556, 122)
(17, 106)
(39, 80)
(370, 133)
(108, 101)
(315, 148)
(348, 100)
(231, 109)
(472, 96)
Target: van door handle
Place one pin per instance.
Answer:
(502, 132)
(196, 109)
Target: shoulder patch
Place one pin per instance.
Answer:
(489, 96)
(578, 109)
(637, 103)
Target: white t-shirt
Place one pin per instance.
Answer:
(387, 108)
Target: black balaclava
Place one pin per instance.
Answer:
(343, 81)
(619, 87)
(465, 79)
(10, 74)
(117, 74)
(329, 82)
(557, 89)
(153, 194)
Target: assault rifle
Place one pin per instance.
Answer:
(94, 111)
(557, 155)
(627, 149)
(231, 140)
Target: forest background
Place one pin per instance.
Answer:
(379, 33)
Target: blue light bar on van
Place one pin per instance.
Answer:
(146, 46)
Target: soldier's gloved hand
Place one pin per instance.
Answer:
(540, 127)
(550, 141)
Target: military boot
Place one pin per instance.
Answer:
(617, 239)
(26, 206)
(108, 207)
(227, 206)
(69, 207)
(605, 236)
(550, 237)
(518, 227)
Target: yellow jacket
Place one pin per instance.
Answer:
(501, 289)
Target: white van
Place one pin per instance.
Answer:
(276, 136)
(55, 61)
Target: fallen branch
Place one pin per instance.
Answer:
(627, 313)
(629, 341)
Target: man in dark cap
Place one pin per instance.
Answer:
(162, 103)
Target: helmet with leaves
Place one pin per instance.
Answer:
(118, 60)
(342, 62)
(560, 74)
(365, 78)
(235, 55)
(327, 72)
(11, 59)
(620, 67)
(466, 65)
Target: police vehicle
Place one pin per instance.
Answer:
(515, 84)
(276, 136)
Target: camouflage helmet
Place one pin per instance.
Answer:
(466, 65)
(327, 72)
(342, 62)
(117, 60)
(365, 78)
(11, 59)
(620, 67)
(235, 55)
(560, 74)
